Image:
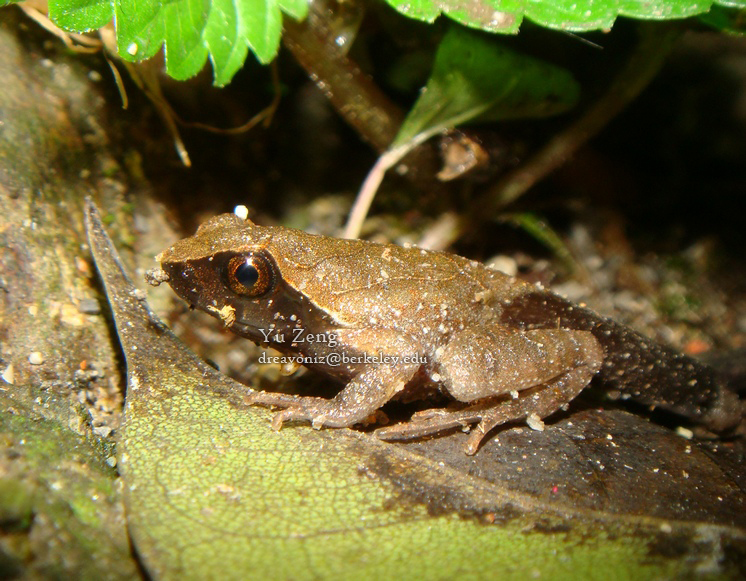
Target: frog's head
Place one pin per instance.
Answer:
(227, 269)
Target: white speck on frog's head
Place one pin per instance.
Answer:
(241, 211)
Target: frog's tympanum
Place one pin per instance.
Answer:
(387, 320)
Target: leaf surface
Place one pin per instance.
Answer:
(189, 30)
(475, 77)
(226, 29)
(506, 16)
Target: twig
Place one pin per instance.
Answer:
(352, 93)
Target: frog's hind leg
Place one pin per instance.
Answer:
(532, 404)
(434, 421)
(504, 375)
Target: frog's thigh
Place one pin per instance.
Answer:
(490, 361)
(538, 403)
(366, 392)
(556, 363)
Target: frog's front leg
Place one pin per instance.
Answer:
(376, 384)
(542, 370)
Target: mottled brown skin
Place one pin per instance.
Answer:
(506, 348)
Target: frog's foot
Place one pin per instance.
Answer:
(355, 404)
(486, 415)
(319, 411)
(272, 399)
(434, 421)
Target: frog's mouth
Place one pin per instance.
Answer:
(242, 328)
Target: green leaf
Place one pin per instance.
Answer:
(732, 20)
(189, 30)
(474, 76)
(184, 49)
(234, 28)
(295, 8)
(143, 26)
(81, 15)
(536, 227)
(495, 16)
(572, 15)
(223, 36)
(264, 19)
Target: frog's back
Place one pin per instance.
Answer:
(359, 280)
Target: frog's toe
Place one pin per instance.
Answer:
(475, 439)
(430, 422)
(294, 413)
(271, 399)
(427, 423)
(278, 420)
(319, 412)
(424, 415)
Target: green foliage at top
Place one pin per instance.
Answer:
(225, 30)
(189, 30)
(727, 19)
(506, 16)
(473, 77)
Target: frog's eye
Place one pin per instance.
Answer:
(251, 275)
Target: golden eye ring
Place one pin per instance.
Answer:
(251, 275)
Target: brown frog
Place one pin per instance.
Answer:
(386, 320)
